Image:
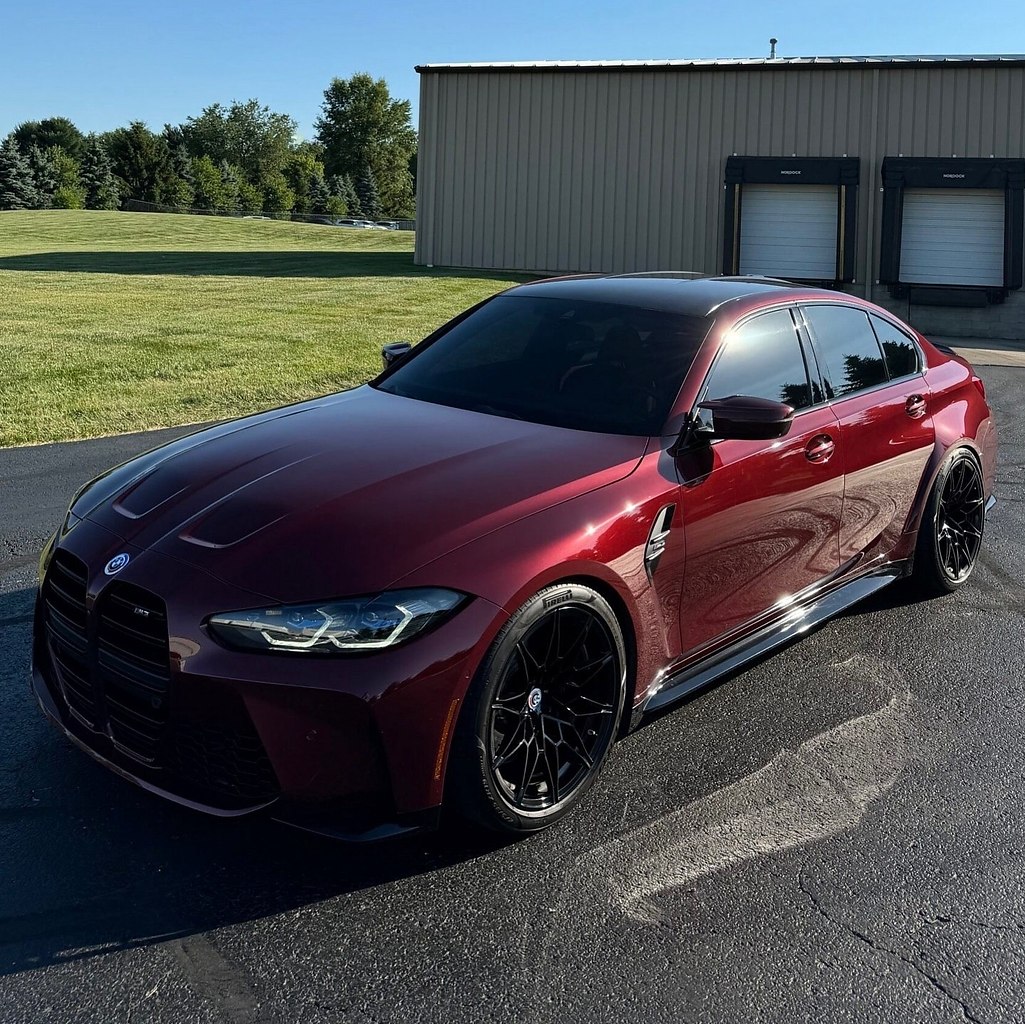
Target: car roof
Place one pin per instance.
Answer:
(670, 291)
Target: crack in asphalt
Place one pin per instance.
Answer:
(1014, 926)
(878, 947)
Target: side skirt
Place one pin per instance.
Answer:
(797, 621)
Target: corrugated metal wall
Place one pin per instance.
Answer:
(613, 170)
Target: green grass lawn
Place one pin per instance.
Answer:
(112, 322)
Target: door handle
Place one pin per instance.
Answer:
(820, 448)
(915, 406)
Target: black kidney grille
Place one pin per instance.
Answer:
(133, 668)
(112, 664)
(66, 627)
(230, 761)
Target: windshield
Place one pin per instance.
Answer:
(595, 366)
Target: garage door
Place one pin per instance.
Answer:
(789, 231)
(952, 236)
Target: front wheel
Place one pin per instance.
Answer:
(950, 536)
(543, 712)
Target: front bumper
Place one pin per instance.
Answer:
(354, 746)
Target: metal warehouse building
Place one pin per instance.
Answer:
(898, 178)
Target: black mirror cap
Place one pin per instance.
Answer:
(745, 418)
(393, 352)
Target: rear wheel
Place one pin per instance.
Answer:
(543, 712)
(950, 536)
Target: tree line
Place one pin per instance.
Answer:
(241, 158)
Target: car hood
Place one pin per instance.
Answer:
(346, 494)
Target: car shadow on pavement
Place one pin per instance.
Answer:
(245, 263)
(89, 864)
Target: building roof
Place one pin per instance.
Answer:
(733, 62)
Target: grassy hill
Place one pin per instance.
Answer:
(112, 322)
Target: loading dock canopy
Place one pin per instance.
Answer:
(953, 236)
(952, 228)
(789, 231)
(791, 217)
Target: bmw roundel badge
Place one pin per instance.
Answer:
(116, 564)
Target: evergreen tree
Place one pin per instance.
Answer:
(17, 189)
(366, 189)
(230, 180)
(142, 160)
(340, 186)
(320, 197)
(98, 177)
(181, 162)
(44, 175)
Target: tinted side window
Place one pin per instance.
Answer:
(899, 350)
(847, 348)
(763, 359)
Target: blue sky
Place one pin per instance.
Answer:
(104, 63)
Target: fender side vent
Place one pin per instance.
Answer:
(657, 538)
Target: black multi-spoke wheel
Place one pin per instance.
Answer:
(543, 713)
(952, 527)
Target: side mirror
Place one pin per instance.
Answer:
(393, 352)
(743, 418)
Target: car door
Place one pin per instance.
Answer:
(872, 373)
(761, 518)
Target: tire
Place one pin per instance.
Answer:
(950, 536)
(542, 713)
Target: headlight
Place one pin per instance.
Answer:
(353, 624)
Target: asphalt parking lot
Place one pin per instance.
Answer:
(837, 834)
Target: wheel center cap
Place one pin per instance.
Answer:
(534, 699)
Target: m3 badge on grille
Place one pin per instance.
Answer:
(116, 564)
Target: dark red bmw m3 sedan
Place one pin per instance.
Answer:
(458, 584)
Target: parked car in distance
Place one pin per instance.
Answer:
(459, 583)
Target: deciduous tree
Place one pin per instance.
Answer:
(278, 196)
(362, 126)
(51, 131)
(208, 185)
(69, 193)
(252, 137)
(302, 169)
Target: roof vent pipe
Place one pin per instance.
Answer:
(772, 48)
